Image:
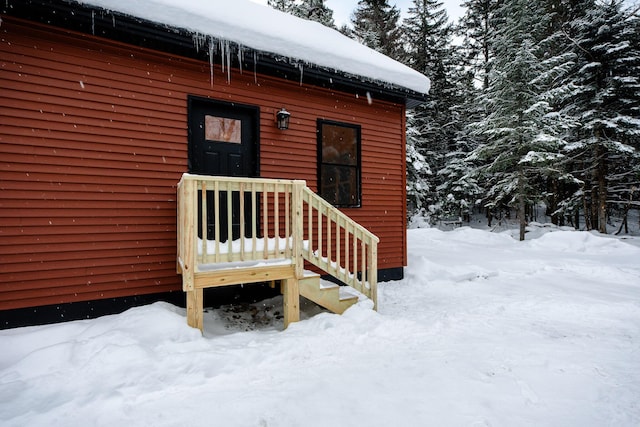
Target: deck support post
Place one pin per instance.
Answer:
(195, 308)
(372, 274)
(291, 297)
(298, 228)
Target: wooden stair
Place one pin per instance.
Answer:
(326, 294)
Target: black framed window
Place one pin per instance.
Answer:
(339, 163)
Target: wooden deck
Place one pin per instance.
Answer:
(278, 230)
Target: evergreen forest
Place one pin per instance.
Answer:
(532, 104)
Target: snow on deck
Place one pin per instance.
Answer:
(264, 29)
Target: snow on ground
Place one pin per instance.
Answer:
(483, 331)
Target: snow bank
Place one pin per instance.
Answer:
(484, 330)
(264, 29)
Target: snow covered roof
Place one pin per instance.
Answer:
(273, 42)
(264, 29)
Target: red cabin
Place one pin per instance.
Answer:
(105, 107)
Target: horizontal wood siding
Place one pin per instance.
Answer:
(93, 140)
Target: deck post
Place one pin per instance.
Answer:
(195, 308)
(372, 275)
(187, 232)
(298, 227)
(291, 297)
(291, 286)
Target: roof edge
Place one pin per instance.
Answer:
(117, 26)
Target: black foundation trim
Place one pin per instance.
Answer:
(214, 297)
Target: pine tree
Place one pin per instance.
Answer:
(316, 10)
(418, 172)
(476, 30)
(376, 25)
(603, 97)
(460, 190)
(312, 10)
(558, 61)
(432, 125)
(522, 136)
(283, 5)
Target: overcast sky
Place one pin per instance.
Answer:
(342, 9)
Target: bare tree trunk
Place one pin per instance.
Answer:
(602, 188)
(625, 217)
(594, 207)
(553, 202)
(521, 205)
(587, 212)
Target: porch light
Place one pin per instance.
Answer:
(283, 119)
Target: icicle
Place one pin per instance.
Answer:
(255, 67)
(199, 41)
(369, 99)
(113, 20)
(222, 54)
(301, 68)
(240, 53)
(211, 58)
(228, 62)
(93, 22)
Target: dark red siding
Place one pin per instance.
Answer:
(93, 139)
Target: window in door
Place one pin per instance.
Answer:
(339, 163)
(222, 129)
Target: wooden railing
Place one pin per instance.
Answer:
(339, 246)
(239, 222)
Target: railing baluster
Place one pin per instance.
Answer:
(276, 217)
(320, 225)
(254, 222)
(216, 225)
(346, 249)
(229, 222)
(265, 221)
(242, 231)
(338, 245)
(310, 226)
(363, 255)
(204, 225)
(329, 241)
(287, 218)
(355, 256)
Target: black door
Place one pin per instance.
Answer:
(223, 141)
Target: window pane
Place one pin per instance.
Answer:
(222, 129)
(339, 145)
(339, 185)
